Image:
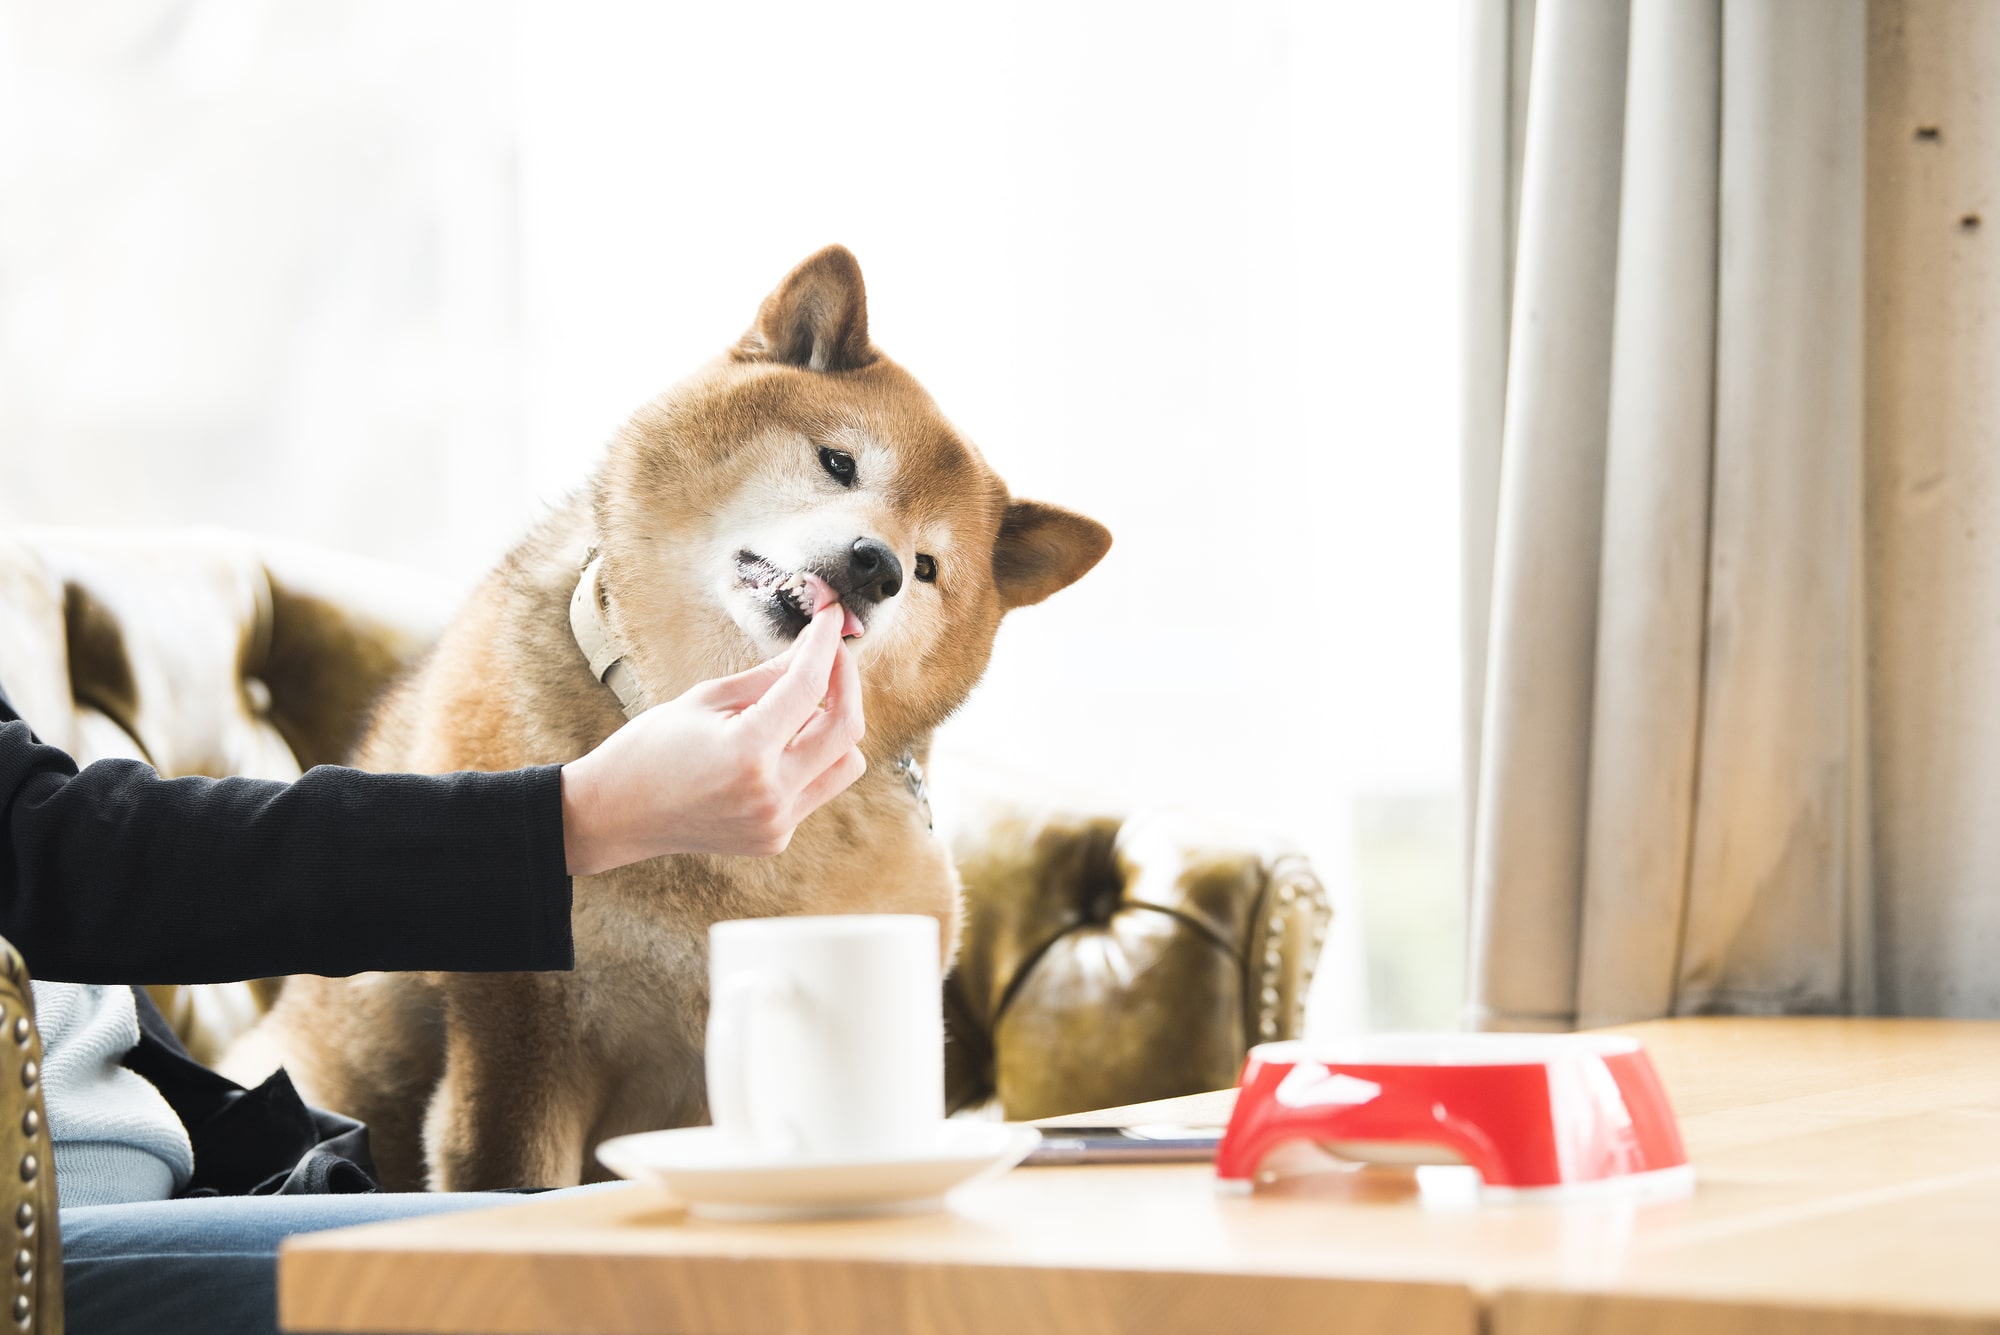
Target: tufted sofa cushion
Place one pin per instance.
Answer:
(1110, 961)
(203, 652)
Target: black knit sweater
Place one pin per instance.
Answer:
(115, 875)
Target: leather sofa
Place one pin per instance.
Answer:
(1105, 960)
(1113, 960)
(27, 1168)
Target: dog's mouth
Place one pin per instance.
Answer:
(795, 596)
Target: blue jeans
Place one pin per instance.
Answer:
(210, 1264)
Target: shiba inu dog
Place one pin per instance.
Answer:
(801, 465)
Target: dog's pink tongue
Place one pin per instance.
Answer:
(824, 597)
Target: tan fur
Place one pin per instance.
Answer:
(472, 1081)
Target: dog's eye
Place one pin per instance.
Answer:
(839, 466)
(926, 569)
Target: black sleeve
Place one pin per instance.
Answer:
(113, 874)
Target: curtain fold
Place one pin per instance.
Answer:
(1498, 45)
(1646, 711)
(1773, 878)
(1672, 799)
(1541, 628)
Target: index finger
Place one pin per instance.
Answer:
(794, 698)
(824, 738)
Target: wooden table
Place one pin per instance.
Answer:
(1849, 1181)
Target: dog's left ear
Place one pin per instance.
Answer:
(1044, 548)
(817, 319)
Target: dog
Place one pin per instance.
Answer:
(801, 450)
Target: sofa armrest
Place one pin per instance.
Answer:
(28, 1216)
(1107, 962)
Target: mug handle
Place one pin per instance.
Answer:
(733, 1061)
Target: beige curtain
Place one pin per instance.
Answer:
(1733, 689)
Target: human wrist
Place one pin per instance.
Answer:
(582, 819)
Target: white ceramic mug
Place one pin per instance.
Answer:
(826, 1034)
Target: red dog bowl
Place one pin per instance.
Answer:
(1535, 1114)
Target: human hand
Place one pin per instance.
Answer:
(732, 766)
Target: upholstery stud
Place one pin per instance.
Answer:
(30, 1073)
(24, 1262)
(31, 1122)
(24, 1218)
(21, 1308)
(30, 1166)
(22, 1030)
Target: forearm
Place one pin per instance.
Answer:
(116, 875)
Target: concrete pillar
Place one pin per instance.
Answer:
(1933, 501)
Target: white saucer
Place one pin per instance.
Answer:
(720, 1178)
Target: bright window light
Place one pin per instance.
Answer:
(384, 276)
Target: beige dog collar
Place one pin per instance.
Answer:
(607, 660)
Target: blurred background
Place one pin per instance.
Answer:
(383, 277)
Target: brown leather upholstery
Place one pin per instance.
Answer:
(1108, 962)
(203, 652)
(28, 1199)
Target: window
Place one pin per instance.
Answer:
(385, 276)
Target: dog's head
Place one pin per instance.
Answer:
(805, 464)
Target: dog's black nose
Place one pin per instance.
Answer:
(873, 572)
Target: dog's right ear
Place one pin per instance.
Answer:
(817, 319)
